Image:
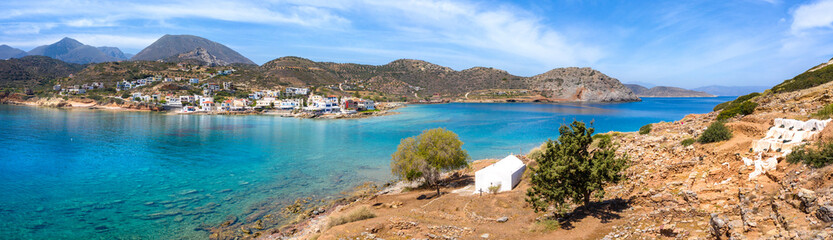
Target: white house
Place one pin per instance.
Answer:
(505, 173)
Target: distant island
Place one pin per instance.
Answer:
(664, 91)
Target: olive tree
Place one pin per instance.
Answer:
(569, 171)
(426, 156)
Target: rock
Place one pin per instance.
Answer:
(668, 231)
(825, 213)
(807, 199)
(690, 196)
(719, 228)
(485, 235)
(502, 219)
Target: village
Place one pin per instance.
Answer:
(196, 96)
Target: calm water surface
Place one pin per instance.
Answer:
(82, 174)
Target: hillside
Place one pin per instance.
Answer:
(172, 47)
(72, 51)
(408, 77)
(815, 76)
(31, 71)
(663, 91)
(7, 52)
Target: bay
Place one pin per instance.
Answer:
(97, 174)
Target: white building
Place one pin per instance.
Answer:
(505, 173)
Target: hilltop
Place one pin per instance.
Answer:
(7, 52)
(663, 91)
(73, 51)
(31, 71)
(182, 47)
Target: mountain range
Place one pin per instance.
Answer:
(7, 52)
(405, 77)
(731, 90)
(665, 91)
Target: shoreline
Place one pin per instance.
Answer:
(142, 107)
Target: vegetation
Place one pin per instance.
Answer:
(825, 112)
(645, 129)
(716, 132)
(806, 80)
(688, 141)
(427, 155)
(821, 156)
(355, 215)
(737, 101)
(744, 108)
(569, 172)
(494, 189)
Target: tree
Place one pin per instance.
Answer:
(570, 172)
(426, 156)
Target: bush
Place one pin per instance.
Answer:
(737, 101)
(356, 215)
(570, 172)
(825, 112)
(645, 129)
(536, 153)
(821, 156)
(687, 142)
(715, 133)
(744, 108)
(494, 189)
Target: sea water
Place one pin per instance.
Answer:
(98, 174)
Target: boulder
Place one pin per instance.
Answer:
(502, 219)
(825, 213)
(807, 199)
(719, 227)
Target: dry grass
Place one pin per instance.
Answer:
(356, 215)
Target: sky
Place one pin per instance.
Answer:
(672, 43)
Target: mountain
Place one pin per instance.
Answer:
(70, 50)
(730, 90)
(113, 52)
(402, 76)
(663, 91)
(172, 47)
(7, 52)
(31, 71)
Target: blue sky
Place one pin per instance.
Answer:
(676, 43)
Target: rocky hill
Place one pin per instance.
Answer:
(72, 51)
(172, 47)
(7, 52)
(408, 76)
(663, 91)
(581, 84)
(31, 71)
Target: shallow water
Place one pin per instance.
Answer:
(83, 174)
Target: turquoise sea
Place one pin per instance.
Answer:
(98, 174)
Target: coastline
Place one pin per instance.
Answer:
(15, 99)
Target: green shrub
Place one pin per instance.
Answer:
(735, 102)
(821, 156)
(356, 215)
(744, 108)
(716, 132)
(645, 129)
(825, 112)
(687, 142)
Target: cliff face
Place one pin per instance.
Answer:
(581, 84)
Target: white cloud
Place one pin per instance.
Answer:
(494, 28)
(814, 15)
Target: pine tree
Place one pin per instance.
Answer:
(569, 172)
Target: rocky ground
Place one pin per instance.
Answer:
(701, 191)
